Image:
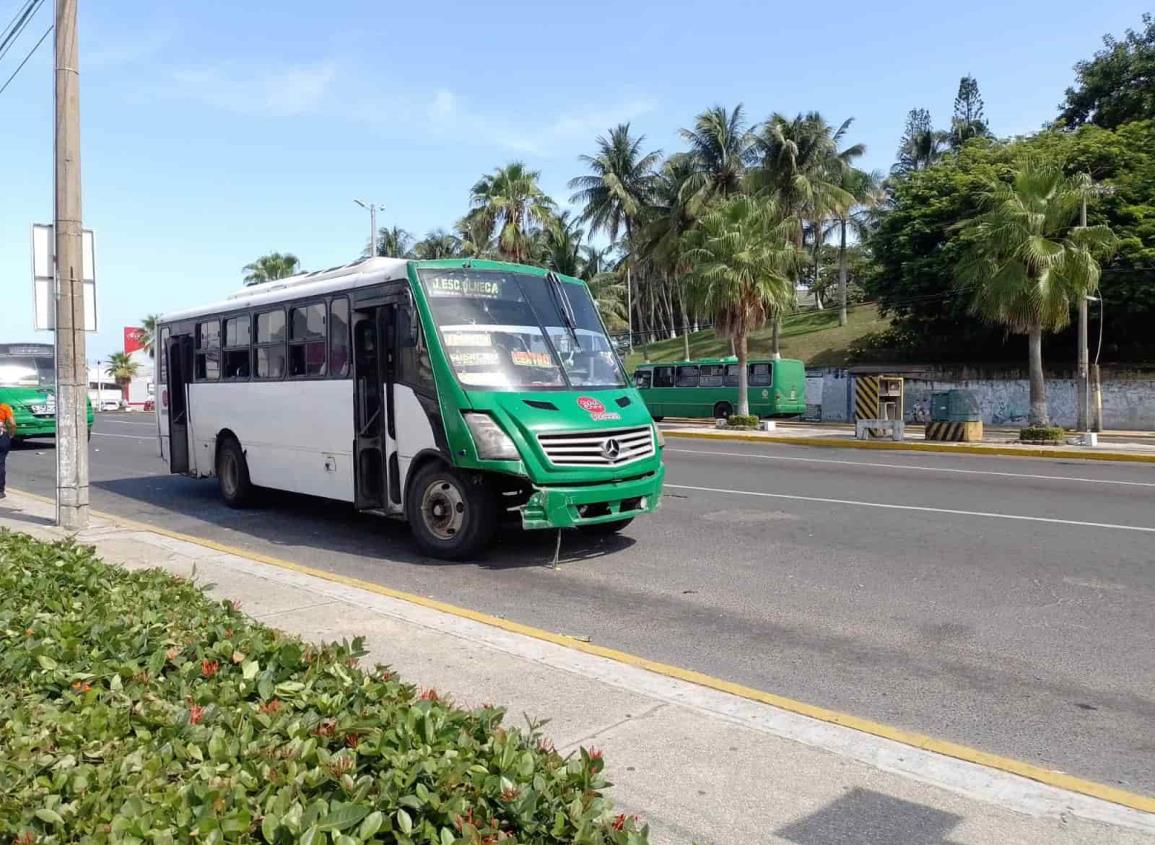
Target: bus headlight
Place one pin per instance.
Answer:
(492, 443)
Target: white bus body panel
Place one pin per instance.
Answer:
(414, 433)
(296, 435)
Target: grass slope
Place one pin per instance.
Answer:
(813, 336)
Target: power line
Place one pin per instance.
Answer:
(4, 87)
(14, 31)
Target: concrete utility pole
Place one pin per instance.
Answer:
(71, 363)
(1082, 388)
(372, 225)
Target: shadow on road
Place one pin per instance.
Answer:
(302, 522)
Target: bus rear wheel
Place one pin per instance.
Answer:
(723, 411)
(453, 515)
(233, 474)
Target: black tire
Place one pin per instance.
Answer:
(233, 474)
(452, 514)
(604, 528)
(723, 410)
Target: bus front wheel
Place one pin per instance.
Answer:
(452, 514)
(723, 411)
(233, 474)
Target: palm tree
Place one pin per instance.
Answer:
(511, 199)
(270, 267)
(921, 149)
(615, 191)
(609, 294)
(1025, 265)
(122, 369)
(393, 242)
(720, 149)
(562, 245)
(474, 231)
(741, 254)
(146, 334)
(855, 214)
(438, 244)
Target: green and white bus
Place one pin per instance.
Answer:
(708, 388)
(28, 386)
(449, 393)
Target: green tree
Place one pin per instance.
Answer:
(122, 368)
(511, 200)
(438, 244)
(612, 195)
(968, 121)
(1024, 265)
(741, 253)
(854, 214)
(1117, 85)
(562, 245)
(268, 268)
(393, 242)
(921, 145)
(146, 334)
(475, 233)
(720, 149)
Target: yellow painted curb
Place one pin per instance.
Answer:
(946, 748)
(891, 445)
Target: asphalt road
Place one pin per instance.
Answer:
(999, 602)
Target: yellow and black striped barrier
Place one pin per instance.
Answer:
(955, 432)
(865, 398)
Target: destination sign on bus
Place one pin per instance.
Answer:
(460, 285)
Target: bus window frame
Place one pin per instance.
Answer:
(687, 381)
(720, 375)
(347, 370)
(647, 376)
(202, 353)
(750, 376)
(730, 377)
(290, 342)
(258, 346)
(226, 348)
(661, 374)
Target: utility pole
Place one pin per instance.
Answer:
(1082, 388)
(630, 307)
(71, 363)
(372, 207)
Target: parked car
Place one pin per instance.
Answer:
(110, 404)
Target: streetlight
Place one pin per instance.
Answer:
(372, 207)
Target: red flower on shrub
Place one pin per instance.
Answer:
(270, 706)
(209, 668)
(195, 714)
(81, 686)
(352, 740)
(326, 728)
(387, 675)
(619, 821)
(26, 838)
(429, 695)
(545, 746)
(595, 755)
(510, 794)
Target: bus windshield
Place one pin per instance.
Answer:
(513, 330)
(27, 371)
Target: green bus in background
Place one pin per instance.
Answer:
(28, 386)
(708, 387)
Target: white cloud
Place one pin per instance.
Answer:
(285, 91)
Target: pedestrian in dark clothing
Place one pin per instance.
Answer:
(7, 430)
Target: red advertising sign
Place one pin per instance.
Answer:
(132, 339)
(588, 403)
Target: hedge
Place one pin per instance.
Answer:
(135, 709)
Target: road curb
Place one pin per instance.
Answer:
(945, 748)
(892, 446)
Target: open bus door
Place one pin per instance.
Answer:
(180, 364)
(372, 340)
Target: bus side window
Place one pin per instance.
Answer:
(414, 367)
(687, 377)
(712, 375)
(731, 375)
(270, 348)
(339, 337)
(643, 379)
(238, 331)
(207, 363)
(759, 375)
(308, 346)
(663, 376)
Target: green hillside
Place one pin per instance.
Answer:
(813, 336)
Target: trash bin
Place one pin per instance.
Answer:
(955, 416)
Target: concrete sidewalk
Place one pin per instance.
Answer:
(1131, 447)
(698, 764)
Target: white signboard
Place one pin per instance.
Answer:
(44, 277)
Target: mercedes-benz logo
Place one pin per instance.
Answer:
(611, 448)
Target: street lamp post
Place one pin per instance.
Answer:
(372, 208)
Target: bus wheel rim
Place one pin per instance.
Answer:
(230, 474)
(443, 510)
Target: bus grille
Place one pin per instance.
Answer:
(609, 447)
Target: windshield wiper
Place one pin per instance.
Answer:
(557, 288)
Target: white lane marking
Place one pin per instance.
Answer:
(125, 436)
(126, 422)
(916, 468)
(919, 508)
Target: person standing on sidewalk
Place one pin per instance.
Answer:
(7, 430)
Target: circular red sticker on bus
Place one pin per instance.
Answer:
(588, 403)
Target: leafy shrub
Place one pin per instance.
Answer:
(1042, 432)
(742, 421)
(133, 708)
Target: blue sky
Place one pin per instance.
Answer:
(213, 132)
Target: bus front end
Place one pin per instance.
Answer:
(534, 396)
